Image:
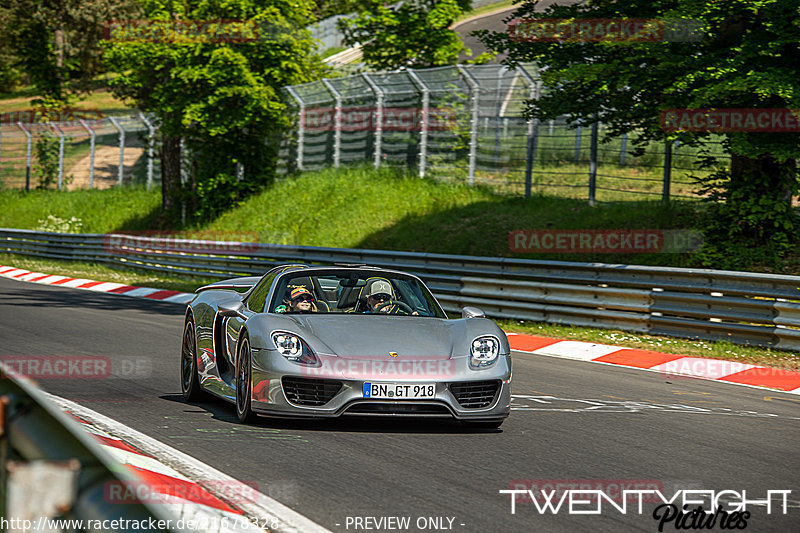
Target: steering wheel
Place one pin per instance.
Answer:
(402, 305)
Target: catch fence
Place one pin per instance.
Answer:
(82, 153)
(465, 123)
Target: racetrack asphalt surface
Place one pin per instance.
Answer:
(572, 421)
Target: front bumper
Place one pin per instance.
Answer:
(335, 388)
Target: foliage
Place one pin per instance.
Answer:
(747, 58)
(57, 44)
(221, 96)
(60, 225)
(407, 34)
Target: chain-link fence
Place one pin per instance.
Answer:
(465, 123)
(79, 154)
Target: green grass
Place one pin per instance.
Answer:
(99, 211)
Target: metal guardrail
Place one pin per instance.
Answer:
(740, 307)
(51, 468)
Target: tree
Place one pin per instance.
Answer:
(747, 57)
(57, 43)
(216, 86)
(407, 34)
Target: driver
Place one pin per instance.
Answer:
(380, 292)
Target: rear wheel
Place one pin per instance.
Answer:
(244, 382)
(190, 381)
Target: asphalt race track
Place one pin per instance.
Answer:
(573, 421)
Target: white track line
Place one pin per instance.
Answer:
(285, 520)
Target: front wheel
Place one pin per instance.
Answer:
(244, 382)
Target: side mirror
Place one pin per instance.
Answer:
(472, 312)
(231, 309)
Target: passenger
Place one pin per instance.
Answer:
(300, 301)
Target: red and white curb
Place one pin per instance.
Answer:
(665, 363)
(668, 364)
(202, 497)
(96, 286)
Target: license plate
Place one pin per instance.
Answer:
(399, 391)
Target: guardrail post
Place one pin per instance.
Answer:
(593, 161)
(667, 172)
(28, 158)
(91, 152)
(423, 130)
(60, 152)
(300, 126)
(378, 92)
(337, 135)
(151, 139)
(121, 148)
(473, 123)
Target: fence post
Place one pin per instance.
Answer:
(423, 133)
(500, 73)
(1, 150)
(337, 134)
(578, 143)
(473, 127)
(378, 117)
(151, 139)
(60, 152)
(91, 152)
(593, 161)
(667, 171)
(533, 134)
(624, 149)
(121, 148)
(28, 158)
(300, 126)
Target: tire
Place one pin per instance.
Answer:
(483, 424)
(244, 379)
(190, 381)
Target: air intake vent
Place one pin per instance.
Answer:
(304, 391)
(475, 394)
(399, 409)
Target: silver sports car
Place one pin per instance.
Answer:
(328, 341)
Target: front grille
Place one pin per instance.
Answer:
(475, 394)
(304, 391)
(398, 408)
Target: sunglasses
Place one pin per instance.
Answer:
(304, 298)
(381, 297)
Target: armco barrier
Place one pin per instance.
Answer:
(742, 307)
(52, 468)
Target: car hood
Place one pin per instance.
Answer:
(359, 336)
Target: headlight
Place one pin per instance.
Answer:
(484, 351)
(293, 348)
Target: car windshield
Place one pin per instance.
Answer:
(356, 292)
